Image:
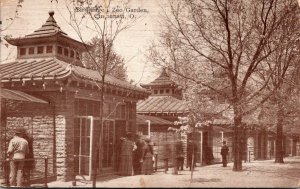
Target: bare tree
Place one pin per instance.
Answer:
(107, 19)
(228, 37)
(7, 23)
(283, 64)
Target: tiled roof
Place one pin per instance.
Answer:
(49, 28)
(52, 68)
(163, 80)
(49, 31)
(19, 95)
(161, 104)
(141, 120)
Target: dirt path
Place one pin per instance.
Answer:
(254, 174)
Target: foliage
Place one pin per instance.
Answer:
(116, 65)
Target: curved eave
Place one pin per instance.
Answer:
(158, 85)
(62, 75)
(47, 38)
(82, 77)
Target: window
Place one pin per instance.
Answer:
(22, 51)
(49, 49)
(155, 91)
(59, 50)
(72, 54)
(161, 91)
(66, 52)
(31, 50)
(167, 91)
(40, 50)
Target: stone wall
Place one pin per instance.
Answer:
(51, 126)
(39, 125)
(63, 103)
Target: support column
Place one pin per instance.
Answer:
(64, 131)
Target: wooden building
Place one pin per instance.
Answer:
(48, 67)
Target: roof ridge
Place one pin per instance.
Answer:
(49, 26)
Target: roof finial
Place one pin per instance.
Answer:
(51, 13)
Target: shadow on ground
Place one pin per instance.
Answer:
(205, 180)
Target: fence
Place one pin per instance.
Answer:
(31, 176)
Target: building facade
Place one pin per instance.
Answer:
(68, 128)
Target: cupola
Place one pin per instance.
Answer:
(164, 86)
(49, 41)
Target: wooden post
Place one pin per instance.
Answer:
(201, 147)
(74, 166)
(46, 173)
(6, 167)
(156, 155)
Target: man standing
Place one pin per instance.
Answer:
(17, 149)
(138, 155)
(224, 153)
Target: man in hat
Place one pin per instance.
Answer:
(224, 153)
(17, 149)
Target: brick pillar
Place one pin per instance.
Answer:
(64, 120)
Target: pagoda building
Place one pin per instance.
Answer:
(67, 128)
(165, 100)
(164, 103)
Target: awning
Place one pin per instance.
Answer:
(19, 95)
(141, 120)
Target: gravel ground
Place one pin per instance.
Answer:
(264, 174)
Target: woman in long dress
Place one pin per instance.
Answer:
(127, 147)
(147, 165)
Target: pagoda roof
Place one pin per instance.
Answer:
(162, 104)
(163, 80)
(49, 31)
(49, 28)
(52, 68)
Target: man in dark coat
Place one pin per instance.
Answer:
(138, 155)
(179, 155)
(224, 153)
(166, 155)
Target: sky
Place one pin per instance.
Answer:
(131, 44)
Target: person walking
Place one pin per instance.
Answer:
(147, 164)
(17, 150)
(138, 155)
(166, 155)
(127, 148)
(179, 155)
(224, 153)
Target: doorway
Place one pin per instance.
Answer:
(83, 136)
(108, 143)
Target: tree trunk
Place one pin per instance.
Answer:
(98, 144)
(237, 139)
(279, 134)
